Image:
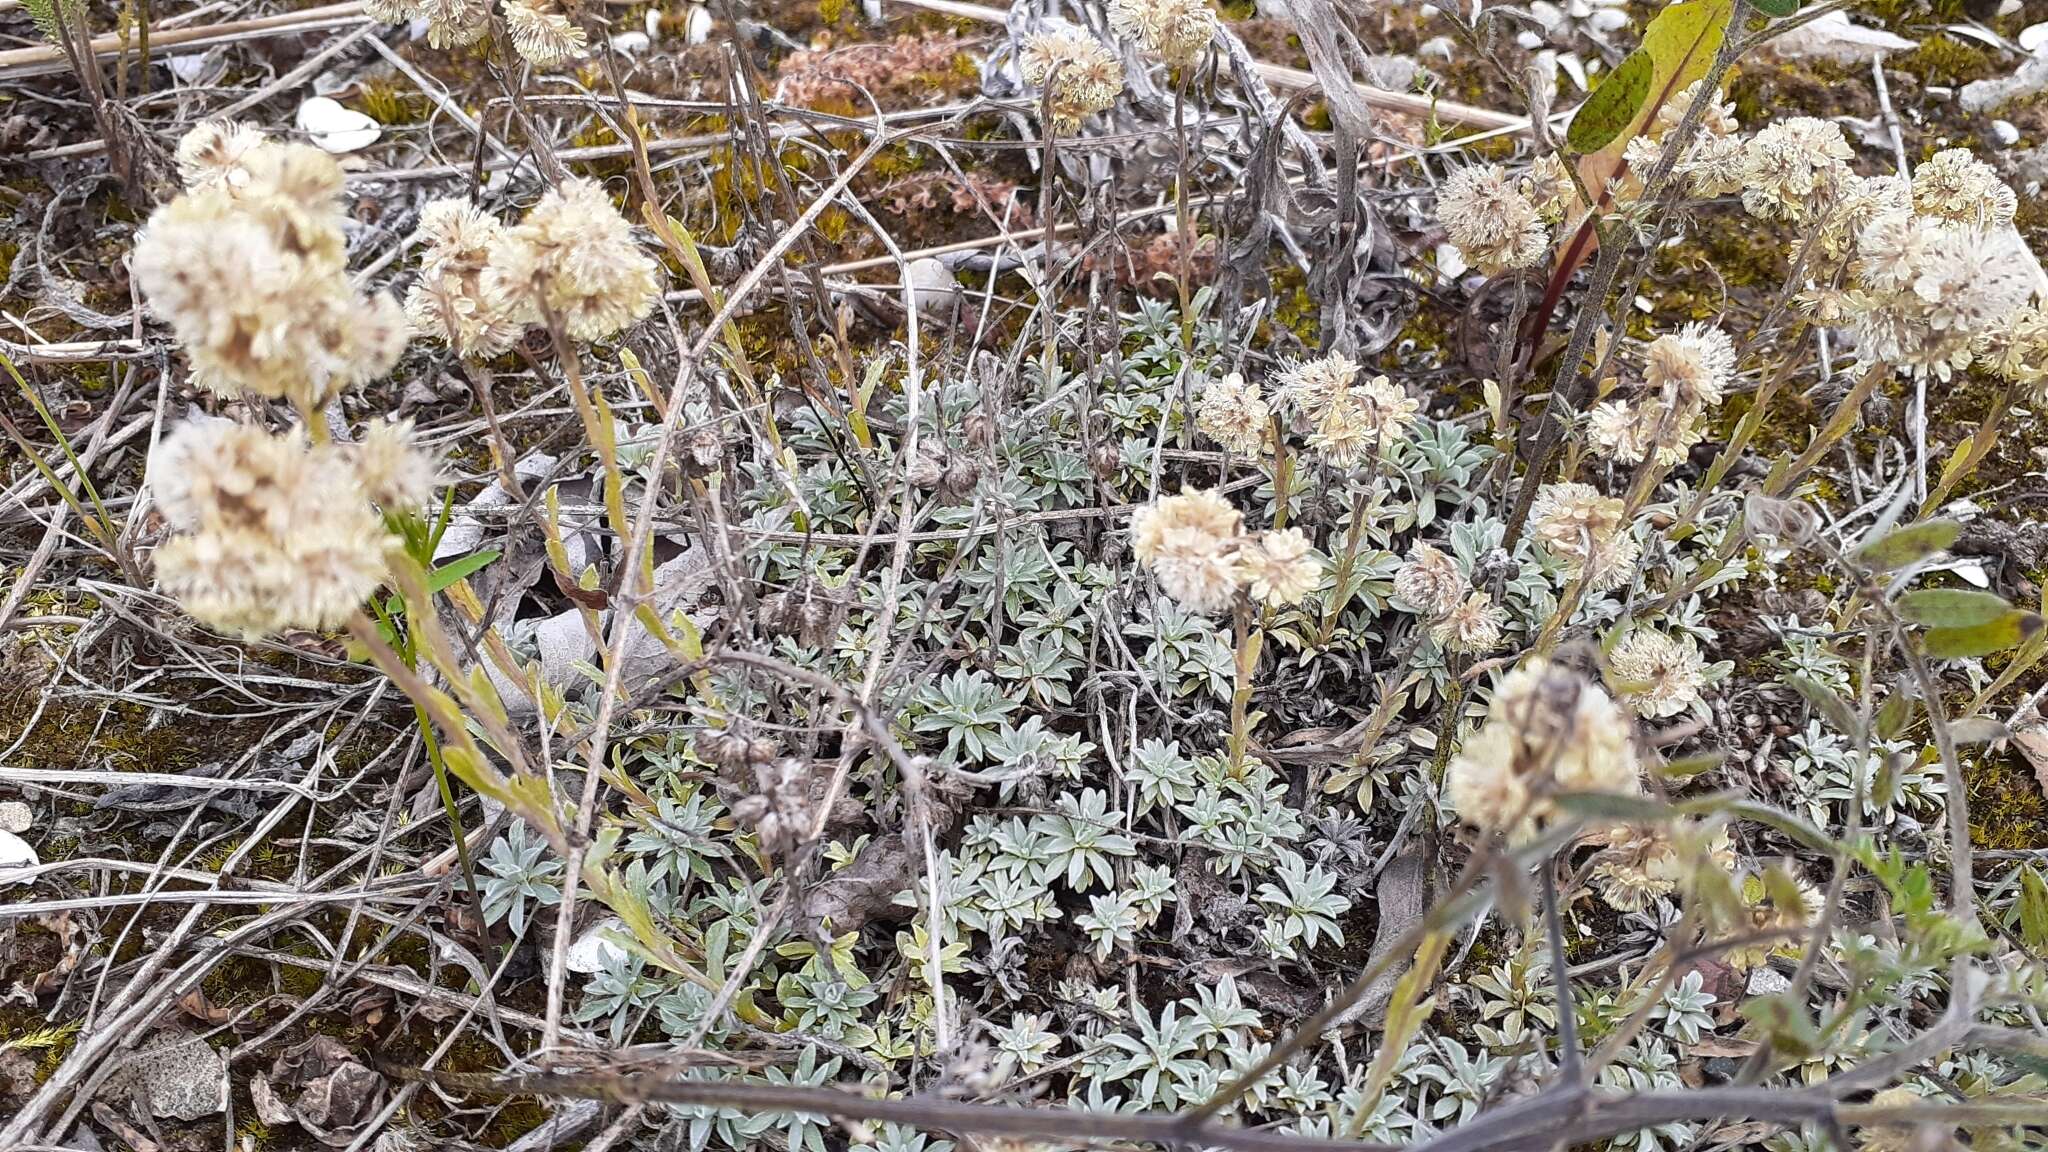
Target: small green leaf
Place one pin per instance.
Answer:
(1775, 7)
(1897, 712)
(1615, 806)
(1884, 788)
(443, 578)
(1689, 766)
(2007, 631)
(1613, 105)
(1902, 546)
(1951, 607)
(1787, 823)
(2033, 909)
(1840, 716)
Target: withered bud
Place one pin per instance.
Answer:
(780, 813)
(926, 472)
(979, 429)
(961, 476)
(1105, 461)
(698, 450)
(727, 748)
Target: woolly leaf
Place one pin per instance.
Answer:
(1977, 730)
(1902, 546)
(1612, 107)
(2007, 631)
(1951, 607)
(1840, 716)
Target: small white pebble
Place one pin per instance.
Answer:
(1767, 981)
(2005, 133)
(15, 816)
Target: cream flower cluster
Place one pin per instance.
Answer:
(271, 534)
(1179, 30)
(1196, 546)
(1656, 675)
(1349, 419)
(1637, 865)
(1686, 374)
(1084, 74)
(1711, 164)
(1460, 618)
(1586, 532)
(250, 269)
(573, 257)
(1937, 278)
(1931, 294)
(1234, 414)
(1791, 168)
(1547, 730)
(1495, 226)
(539, 32)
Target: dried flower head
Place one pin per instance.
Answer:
(1179, 30)
(1930, 290)
(579, 254)
(273, 535)
(1695, 363)
(1640, 864)
(1491, 222)
(1768, 915)
(1281, 568)
(1717, 118)
(1190, 542)
(1586, 531)
(252, 279)
(1954, 185)
(1361, 420)
(1547, 729)
(541, 35)
(1474, 626)
(391, 467)
(1792, 167)
(465, 294)
(212, 153)
(780, 810)
(1548, 185)
(453, 23)
(1313, 385)
(1430, 583)
(1235, 415)
(2017, 349)
(1656, 675)
(1083, 74)
(1625, 432)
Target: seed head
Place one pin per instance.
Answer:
(1491, 222)
(1190, 543)
(579, 254)
(1084, 74)
(1281, 567)
(1179, 30)
(273, 535)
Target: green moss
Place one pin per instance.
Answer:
(386, 101)
(2007, 809)
(1944, 59)
(1294, 309)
